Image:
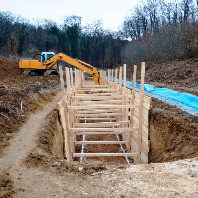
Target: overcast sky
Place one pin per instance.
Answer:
(112, 12)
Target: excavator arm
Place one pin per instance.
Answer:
(74, 62)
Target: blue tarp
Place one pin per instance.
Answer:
(185, 101)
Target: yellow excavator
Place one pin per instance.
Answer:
(49, 61)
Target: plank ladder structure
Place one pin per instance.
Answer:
(109, 108)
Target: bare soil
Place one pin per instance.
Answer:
(177, 75)
(19, 95)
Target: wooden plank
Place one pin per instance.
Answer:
(98, 89)
(68, 81)
(125, 75)
(93, 111)
(103, 154)
(76, 81)
(133, 102)
(120, 79)
(144, 137)
(72, 80)
(100, 142)
(98, 124)
(145, 114)
(94, 86)
(65, 121)
(116, 78)
(102, 102)
(102, 129)
(145, 105)
(146, 99)
(112, 76)
(100, 94)
(108, 80)
(103, 106)
(89, 97)
(99, 133)
(96, 115)
(96, 119)
(141, 113)
(145, 122)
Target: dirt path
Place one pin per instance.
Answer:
(25, 141)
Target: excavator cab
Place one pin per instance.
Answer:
(46, 56)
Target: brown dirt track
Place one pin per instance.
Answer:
(41, 170)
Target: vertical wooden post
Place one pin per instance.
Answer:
(101, 73)
(68, 81)
(125, 76)
(105, 77)
(116, 78)
(141, 113)
(108, 76)
(80, 78)
(66, 128)
(76, 79)
(120, 79)
(83, 77)
(132, 110)
(72, 80)
(124, 111)
(112, 77)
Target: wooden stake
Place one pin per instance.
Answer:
(125, 76)
(66, 124)
(141, 113)
(68, 81)
(116, 78)
(112, 76)
(120, 79)
(72, 80)
(133, 102)
(76, 79)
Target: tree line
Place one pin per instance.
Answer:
(161, 31)
(90, 43)
(156, 30)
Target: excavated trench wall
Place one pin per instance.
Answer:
(172, 137)
(51, 138)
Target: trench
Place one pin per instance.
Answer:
(170, 140)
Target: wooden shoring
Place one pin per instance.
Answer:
(141, 113)
(72, 80)
(125, 117)
(133, 102)
(109, 73)
(98, 106)
(125, 75)
(120, 79)
(112, 76)
(68, 81)
(107, 109)
(65, 120)
(104, 154)
(116, 78)
(76, 79)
